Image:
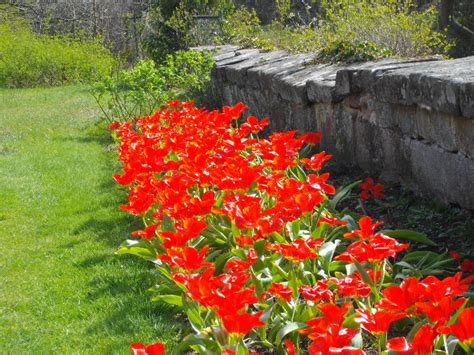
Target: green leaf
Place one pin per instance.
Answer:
(192, 312)
(319, 231)
(455, 317)
(220, 262)
(141, 248)
(405, 264)
(452, 343)
(326, 252)
(267, 313)
(414, 330)
(192, 340)
(275, 328)
(258, 284)
(277, 237)
(342, 194)
(295, 228)
(259, 246)
(337, 266)
(258, 266)
(358, 341)
(301, 173)
(465, 347)
(351, 223)
(235, 230)
(240, 253)
(241, 348)
(167, 225)
(294, 283)
(421, 257)
(410, 235)
(164, 272)
(287, 329)
(170, 299)
(427, 263)
(363, 273)
(349, 322)
(194, 319)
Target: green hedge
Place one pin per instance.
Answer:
(28, 59)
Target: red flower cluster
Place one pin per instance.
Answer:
(245, 236)
(371, 189)
(373, 247)
(181, 160)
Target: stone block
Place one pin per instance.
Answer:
(466, 98)
(237, 72)
(436, 172)
(266, 74)
(464, 135)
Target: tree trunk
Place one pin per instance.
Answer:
(446, 8)
(447, 20)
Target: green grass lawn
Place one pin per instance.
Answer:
(62, 288)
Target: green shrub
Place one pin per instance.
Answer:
(392, 24)
(347, 30)
(144, 88)
(27, 59)
(349, 52)
(132, 93)
(242, 27)
(187, 73)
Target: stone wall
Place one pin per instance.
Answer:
(410, 121)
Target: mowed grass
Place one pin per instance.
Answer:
(62, 288)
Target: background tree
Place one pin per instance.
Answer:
(458, 17)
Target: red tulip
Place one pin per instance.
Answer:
(377, 323)
(422, 343)
(242, 324)
(298, 250)
(404, 297)
(370, 189)
(464, 329)
(188, 258)
(279, 290)
(316, 161)
(290, 347)
(367, 229)
(311, 138)
(152, 349)
(335, 340)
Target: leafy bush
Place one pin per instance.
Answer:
(27, 59)
(242, 27)
(249, 242)
(348, 52)
(347, 29)
(133, 92)
(144, 88)
(395, 25)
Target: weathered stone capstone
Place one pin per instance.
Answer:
(410, 121)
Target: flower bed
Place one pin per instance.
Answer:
(248, 241)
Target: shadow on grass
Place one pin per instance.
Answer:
(113, 231)
(132, 312)
(95, 133)
(117, 229)
(132, 307)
